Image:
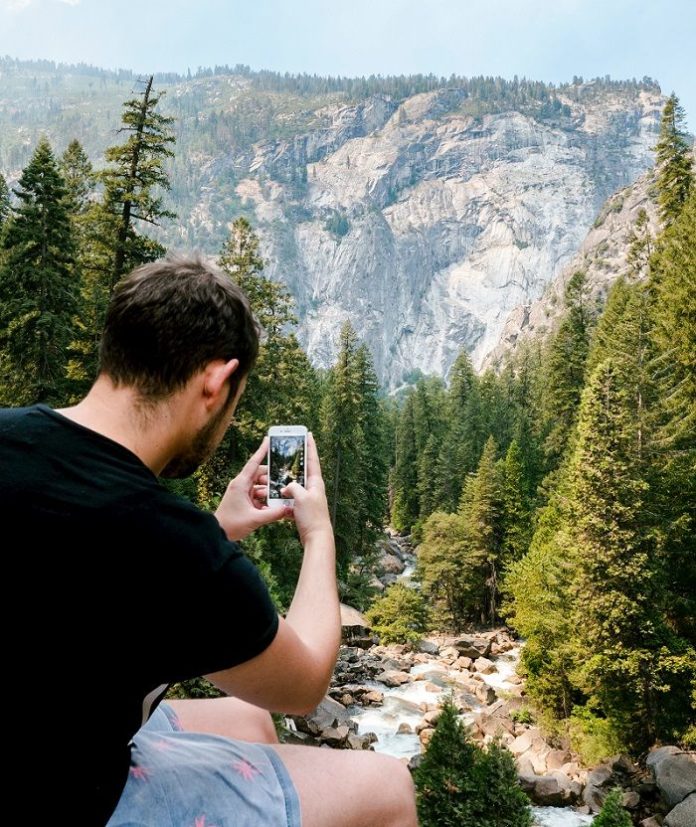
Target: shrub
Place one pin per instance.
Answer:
(612, 813)
(399, 616)
(461, 785)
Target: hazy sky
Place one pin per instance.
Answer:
(549, 40)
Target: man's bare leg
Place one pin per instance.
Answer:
(350, 788)
(230, 717)
(336, 788)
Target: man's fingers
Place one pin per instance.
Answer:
(270, 514)
(252, 467)
(292, 490)
(260, 492)
(313, 464)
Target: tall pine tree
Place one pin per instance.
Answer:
(132, 179)
(38, 289)
(675, 172)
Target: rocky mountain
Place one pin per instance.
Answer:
(602, 257)
(424, 210)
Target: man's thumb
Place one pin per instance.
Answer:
(291, 490)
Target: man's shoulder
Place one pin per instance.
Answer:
(188, 530)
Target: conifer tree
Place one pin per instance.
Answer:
(612, 813)
(640, 245)
(539, 604)
(516, 511)
(481, 510)
(674, 161)
(38, 290)
(343, 450)
(131, 180)
(565, 369)
(80, 178)
(400, 615)
(404, 478)
(673, 331)
(375, 469)
(451, 579)
(4, 202)
(632, 659)
(464, 435)
(461, 785)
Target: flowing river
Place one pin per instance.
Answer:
(402, 705)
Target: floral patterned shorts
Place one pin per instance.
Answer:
(192, 779)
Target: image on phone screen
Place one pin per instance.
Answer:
(287, 463)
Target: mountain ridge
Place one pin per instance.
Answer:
(424, 219)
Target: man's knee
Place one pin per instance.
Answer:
(402, 801)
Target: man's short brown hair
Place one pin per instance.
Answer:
(168, 319)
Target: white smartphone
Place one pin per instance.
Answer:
(287, 460)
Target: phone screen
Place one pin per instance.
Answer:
(287, 463)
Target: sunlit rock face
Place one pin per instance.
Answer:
(425, 226)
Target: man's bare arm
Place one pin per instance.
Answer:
(293, 673)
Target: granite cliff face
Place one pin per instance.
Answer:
(425, 226)
(602, 257)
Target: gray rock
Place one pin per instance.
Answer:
(676, 777)
(684, 814)
(329, 713)
(429, 647)
(655, 756)
(485, 666)
(393, 677)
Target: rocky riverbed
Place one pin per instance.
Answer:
(388, 698)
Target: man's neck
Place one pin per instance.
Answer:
(118, 413)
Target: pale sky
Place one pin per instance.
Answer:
(549, 40)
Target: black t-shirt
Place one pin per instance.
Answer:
(122, 588)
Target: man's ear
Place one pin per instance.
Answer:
(216, 375)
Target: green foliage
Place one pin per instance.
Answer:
(4, 201)
(38, 288)
(565, 369)
(516, 510)
(134, 173)
(194, 688)
(399, 616)
(612, 813)
(675, 166)
(461, 785)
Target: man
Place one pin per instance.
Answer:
(125, 588)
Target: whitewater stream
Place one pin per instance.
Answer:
(401, 705)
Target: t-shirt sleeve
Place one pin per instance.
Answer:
(241, 618)
(223, 612)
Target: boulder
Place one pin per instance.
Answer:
(404, 728)
(484, 665)
(391, 564)
(429, 647)
(650, 822)
(335, 736)
(597, 787)
(675, 776)
(543, 789)
(630, 800)
(426, 735)
(485, 694)
(374, 697)
(558, 758)
(463, 663)
(684, 814)
(329, 713)
(432, 717)
(393, 678)
(355, 741)
(655, 756)
(473, 648)
(449, 653)
(522, 743)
